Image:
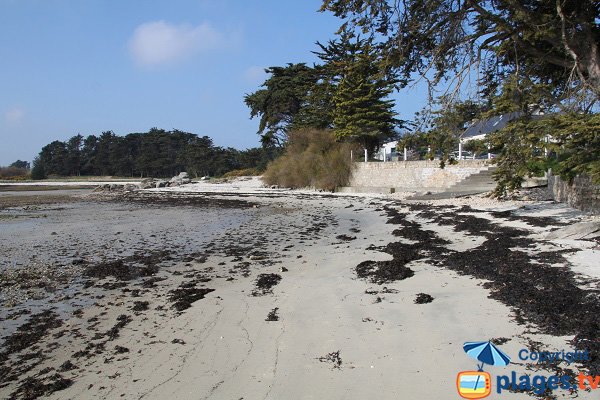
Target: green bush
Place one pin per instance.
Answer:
(313, 159)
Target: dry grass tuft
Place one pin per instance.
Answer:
(313, 159)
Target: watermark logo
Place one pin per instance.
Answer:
(474, 384)
(478, 384)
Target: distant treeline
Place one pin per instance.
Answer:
(156, 153)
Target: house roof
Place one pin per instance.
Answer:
(490, 125)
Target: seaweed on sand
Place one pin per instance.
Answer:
(184, 296)
(540, 291)
(265, 283)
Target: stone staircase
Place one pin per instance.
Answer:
(480, 182)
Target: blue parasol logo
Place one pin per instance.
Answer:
(487, 353)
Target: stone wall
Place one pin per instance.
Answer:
(413, 175)
(581, 194)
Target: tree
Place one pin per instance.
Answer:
(38, 171)
(362, 112)
(53, 157)
(20, 164)
(285, 93)
(73, 161)
(448, 123)
(550, 41)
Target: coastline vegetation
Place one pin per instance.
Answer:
(156, 153)
(478, 58)
(312, 158)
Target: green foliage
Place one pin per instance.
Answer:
(577, 144)
(312, 158)
(362, 112)
(571, 141)
(553, 42)
(157, 153)
(438, 132)
(477, 147)
(347, 92)
(20, 164)
(37, 170)
(286, 93)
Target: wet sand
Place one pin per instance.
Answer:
(277, 294)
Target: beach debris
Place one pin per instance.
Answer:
(67, 366)
(140, 306)
(423, 298)
(33, 388)
(121, 349)
(500, 341)
(128, 268)
(538, 285)
(178, 341)
(332, 358)
(265, 283)
(272, 316)
(113, 333)
(345, 237)
(184, 296)
(380, 272)
(283, 269)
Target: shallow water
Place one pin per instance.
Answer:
(54, 234)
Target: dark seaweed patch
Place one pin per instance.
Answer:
(272, 316)
(128, 268)
(423, 298)
(345, 237)
(539, 291)
(34, 388)
(380, 272)
(183, 297)
(332, 358)
(265, 283)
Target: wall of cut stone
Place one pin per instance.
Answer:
(581, 194)
(414, 175)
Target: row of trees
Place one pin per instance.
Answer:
(347, 92)
(156, 153)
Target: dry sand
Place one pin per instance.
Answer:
(332, 335)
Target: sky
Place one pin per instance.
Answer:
(86, 66)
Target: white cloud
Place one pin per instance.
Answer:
(158, 43)
(14, 115)
(255, 74)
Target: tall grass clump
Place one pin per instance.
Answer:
(312, 159)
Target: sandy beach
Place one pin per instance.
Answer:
(235, 291)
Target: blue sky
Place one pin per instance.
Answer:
(86, 66)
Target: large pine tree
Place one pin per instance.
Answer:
(362, 110)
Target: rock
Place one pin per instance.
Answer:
(148, 183)
(580, 230)
(181, 179)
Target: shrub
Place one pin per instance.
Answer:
(242, 172)
(312, 158)
(13, 173)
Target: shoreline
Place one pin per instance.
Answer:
(281, 295)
